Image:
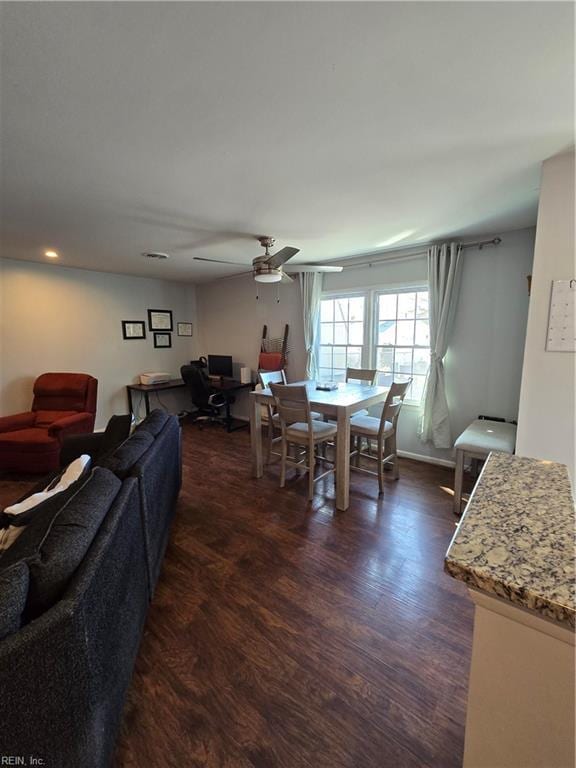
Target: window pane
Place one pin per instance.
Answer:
(327, 310)
(386, 332)
(339, 357)
(325, 357)
(356, 308)
(421, 360)
(387, 306)
(417, 388)
(422, 304)
(422, 337)
(405, 332)
(341, 310)
(325, 374)
(385, 359)
(339, 375)
(326, 333)
(354, 357)
(403, 360)
(340, 335)
(356, 333)
(406, 305)
(384, 379)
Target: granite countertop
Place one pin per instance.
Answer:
(516, 539)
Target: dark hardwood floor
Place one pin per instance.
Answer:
(283, 633)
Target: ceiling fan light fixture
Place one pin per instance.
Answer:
(268, 275)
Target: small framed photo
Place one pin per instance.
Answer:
(160, 320)
(162, 340)
(133, 329)
(184, 329)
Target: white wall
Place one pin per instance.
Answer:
(547, 415)
(59, 319)
(484, 359)
(230, 321)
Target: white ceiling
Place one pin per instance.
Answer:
(335, 127)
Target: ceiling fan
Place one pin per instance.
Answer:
(269, 267)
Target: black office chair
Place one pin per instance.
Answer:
(209, 403)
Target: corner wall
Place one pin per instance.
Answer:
(56, 318)
(546, 423)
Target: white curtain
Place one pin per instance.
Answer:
(444, 267)
(311, 291)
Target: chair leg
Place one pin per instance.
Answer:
(283, 462)
(392, 449)
(311, 464)
(269, 442)
(458, 476)
(379, 457)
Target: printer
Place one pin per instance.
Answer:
(155, 377)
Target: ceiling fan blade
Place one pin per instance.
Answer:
(218, 261)
(286, 278)
(277, 259)
(230, 277)
(312, 268)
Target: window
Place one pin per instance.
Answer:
(387, 330)
(341, 336)
(402, 339)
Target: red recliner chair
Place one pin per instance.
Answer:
(64, 404)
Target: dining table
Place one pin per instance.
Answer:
(339, 404)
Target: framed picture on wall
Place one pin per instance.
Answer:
(160, 320)
(162, 340)
(133, 329)
(184, 329)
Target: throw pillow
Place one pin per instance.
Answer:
(16, 517)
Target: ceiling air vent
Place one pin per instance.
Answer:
(155, 255)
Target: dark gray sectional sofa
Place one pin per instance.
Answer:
(65, 672)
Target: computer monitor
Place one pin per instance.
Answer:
(220, 365)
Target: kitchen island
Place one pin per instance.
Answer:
(514, 548)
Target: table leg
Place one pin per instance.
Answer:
(228, 416)
(147, 403)
(256, 437)
(343, 461)
(130, 404)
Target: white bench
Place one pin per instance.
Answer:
(477, 441)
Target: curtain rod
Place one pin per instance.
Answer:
(382, 259)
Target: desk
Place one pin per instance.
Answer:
(222, 385)
(340, 403)
(145, 389)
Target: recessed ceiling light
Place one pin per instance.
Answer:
(51, 254)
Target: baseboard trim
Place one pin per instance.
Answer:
(427, 459)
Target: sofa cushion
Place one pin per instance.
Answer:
(56, 541)
(62, 391)
(15, 518)
(13, 594)
(126, 455)
(34, 438)
(154, 422)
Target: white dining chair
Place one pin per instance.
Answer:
(301, 430)
(382, 431)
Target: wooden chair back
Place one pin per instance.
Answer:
(361, 374)
(393, 403)
(271, 377)
(292, 404)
